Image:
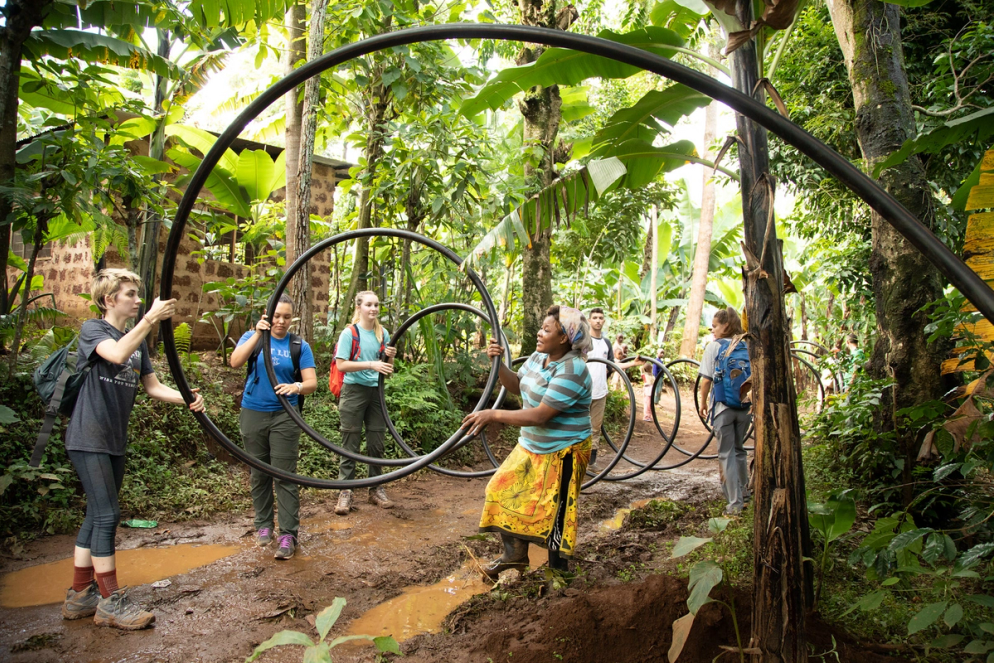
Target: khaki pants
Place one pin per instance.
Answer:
(273, 438)
(596, 419)
(360, 405)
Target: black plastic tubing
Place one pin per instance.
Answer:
(961, 276)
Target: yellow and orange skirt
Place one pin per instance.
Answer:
(534, 496)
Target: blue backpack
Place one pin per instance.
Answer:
(731, 373)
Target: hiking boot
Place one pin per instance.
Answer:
(593, 457)
(344, 503)
(287, 546)
(119, 611)
(265, 536)
(378, 496)
(81, 604)
(515, 557)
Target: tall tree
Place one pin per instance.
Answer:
(780, 522)
(869, 33)
(541, 109)
(298, 232)
(702, 254)
(296, 53)
(20, 16)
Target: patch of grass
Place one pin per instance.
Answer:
(655, 515)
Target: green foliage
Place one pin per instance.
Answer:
(832, 519)
(705, 575)
(320, 651)
(417, 408)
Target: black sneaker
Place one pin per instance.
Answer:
(118, 611)
(287, 546)
(81, 604)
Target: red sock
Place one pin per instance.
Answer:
(82, 576)
(107, 582)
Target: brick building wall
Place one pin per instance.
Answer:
(69, 269)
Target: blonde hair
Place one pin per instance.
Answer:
(730, 318)
(107, 283)
(355, 316)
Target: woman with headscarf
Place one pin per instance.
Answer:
(532, 498)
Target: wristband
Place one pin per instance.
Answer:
(150, 323)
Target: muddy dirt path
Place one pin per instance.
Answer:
(225, 595)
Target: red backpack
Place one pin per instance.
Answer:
(336, 378)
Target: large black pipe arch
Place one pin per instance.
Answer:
(961, 276)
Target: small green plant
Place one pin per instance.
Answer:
(921, 564)
(834, 518)
(320, 651)
(704, 577)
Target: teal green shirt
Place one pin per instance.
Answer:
(369, 350)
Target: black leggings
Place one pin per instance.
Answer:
(101, 476)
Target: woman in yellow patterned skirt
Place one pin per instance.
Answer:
(533, 495)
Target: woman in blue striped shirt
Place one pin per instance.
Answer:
(533, 495)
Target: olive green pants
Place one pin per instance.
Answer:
(273, 438)
(360, 405)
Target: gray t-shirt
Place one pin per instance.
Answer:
(707, 370)
(99, 422)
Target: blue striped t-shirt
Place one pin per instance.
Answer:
(563, 385)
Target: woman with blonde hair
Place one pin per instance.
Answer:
(533, 495)
(116, 358)
(363, 355)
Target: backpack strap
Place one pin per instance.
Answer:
(51, 414)
(355, 343)
(735, 342)
(296, 348)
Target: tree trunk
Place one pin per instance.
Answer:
(904, 281)
(541, 110)
(298, 232)
(702, 254)
(37, 241)
(671, 324)
(804, 318)
(21, 16)
(780, 524)
(148, 252)
(132, 221)
(653, 271)
(375, 116)
(296, 51)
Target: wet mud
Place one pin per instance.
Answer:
(408, 572)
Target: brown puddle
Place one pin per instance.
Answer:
(47, 583)
(420, 609)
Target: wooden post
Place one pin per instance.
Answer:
(780, 525)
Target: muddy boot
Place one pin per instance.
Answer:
(558, 562)
(344, 503)
(593, 458)
(119, 611)
(515, 556)
(81, 604)
(378, 496)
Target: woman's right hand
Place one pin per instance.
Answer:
(262, 325)
(381, 367)
(494, 349)
(161, 310)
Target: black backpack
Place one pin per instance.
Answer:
(296, 347)
(58, 381)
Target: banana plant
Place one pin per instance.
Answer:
(240, 183)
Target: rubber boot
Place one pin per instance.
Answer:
(515, 556)
(557, 561)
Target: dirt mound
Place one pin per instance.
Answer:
(626, 623)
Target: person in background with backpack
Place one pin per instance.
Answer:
(97, 440)
(267, 430)
(722, 368)
(363, 355)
